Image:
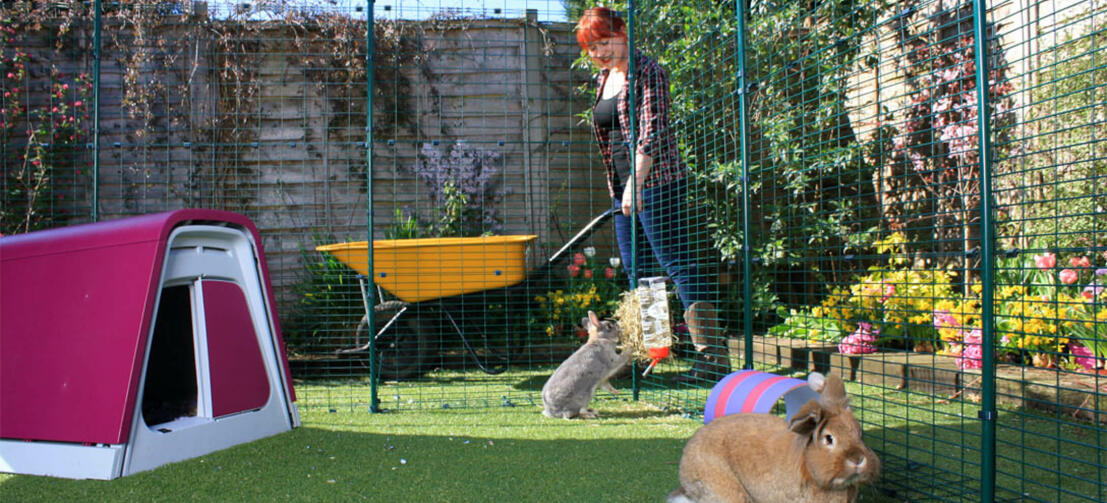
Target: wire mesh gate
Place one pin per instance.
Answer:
(855, 214)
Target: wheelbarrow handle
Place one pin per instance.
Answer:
(584, 233)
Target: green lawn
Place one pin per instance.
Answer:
(478, 454)
(513, 453)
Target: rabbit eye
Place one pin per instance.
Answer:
(828, 439)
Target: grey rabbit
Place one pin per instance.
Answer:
(569, 390)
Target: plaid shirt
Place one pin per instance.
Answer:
(655, 137)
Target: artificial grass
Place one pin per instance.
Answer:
(629, 454)
(502, 454)
(513, 453)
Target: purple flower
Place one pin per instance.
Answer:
(467, 170)
(1094, 288)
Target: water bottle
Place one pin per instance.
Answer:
(656, 333)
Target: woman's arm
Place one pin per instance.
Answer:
(642, 165)
(652, 120)
(653, 108)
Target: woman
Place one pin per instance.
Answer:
(659, 180)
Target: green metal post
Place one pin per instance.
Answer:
(97, 26)
(374, 359)
(632, 144)
(988, 411)
(747, 254)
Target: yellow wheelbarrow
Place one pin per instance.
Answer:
(443, 276)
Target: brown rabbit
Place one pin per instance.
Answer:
(816, 457)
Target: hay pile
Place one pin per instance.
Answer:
(628, 316)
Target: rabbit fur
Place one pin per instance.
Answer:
(816, 457)
(569, 390)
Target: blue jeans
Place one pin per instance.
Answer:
(666, 222)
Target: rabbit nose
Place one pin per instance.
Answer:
(859, 461)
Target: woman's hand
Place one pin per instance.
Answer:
(628, 198)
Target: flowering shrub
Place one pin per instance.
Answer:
(1037, 318)
(899, 303)
(932, 180)
(41, 131)
(1046, 314)
(463, 186)
(592, 286)
(862, 341)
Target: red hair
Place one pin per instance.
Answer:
(599, 23)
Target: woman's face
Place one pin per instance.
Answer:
(609, 53)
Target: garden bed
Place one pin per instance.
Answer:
(1079, 395)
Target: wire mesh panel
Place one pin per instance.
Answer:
(1052, 250)
(899, 239)
(482, 174)
(690, 228)
(47, 115)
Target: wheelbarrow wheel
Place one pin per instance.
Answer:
(400, 347)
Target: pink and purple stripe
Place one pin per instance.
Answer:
(747, 391)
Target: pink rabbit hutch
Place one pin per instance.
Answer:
(129, 344)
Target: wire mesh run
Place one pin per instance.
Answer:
(908, 194)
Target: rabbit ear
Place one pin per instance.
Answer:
(834, 393)
(807, 419)
(593, 318)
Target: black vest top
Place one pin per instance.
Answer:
(606, 116)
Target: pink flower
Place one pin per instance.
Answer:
(1067, 276)
(943, 318)
(1080, 262)
(609, 273)
(574, 271)
(579, 258)
(862, 341)
(1045, 261)
(78, 103)
(972, 356)
(1082, 356)
(889, 292)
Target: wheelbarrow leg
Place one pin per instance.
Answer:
(398, 345)
(472, 352)
(363, 325)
